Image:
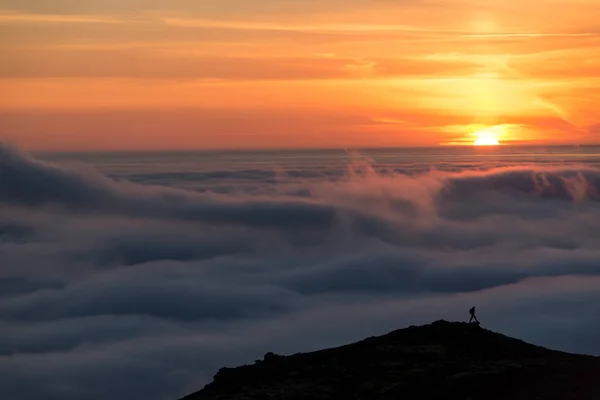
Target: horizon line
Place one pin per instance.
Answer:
(305, 149)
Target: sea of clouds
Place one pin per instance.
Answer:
(144, 285)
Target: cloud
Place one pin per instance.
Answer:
(204, 8)
(177, 62)
(141, 279)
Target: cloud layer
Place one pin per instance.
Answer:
(139, 279)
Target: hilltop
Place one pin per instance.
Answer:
(444, 360)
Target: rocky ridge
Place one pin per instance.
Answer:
(443, 360)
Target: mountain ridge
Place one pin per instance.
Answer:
(449, 360)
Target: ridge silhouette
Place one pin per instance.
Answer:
(445, 360)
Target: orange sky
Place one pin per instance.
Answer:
(175, 74)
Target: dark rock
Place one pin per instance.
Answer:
(442, 360)
(270, 357)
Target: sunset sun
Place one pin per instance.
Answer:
(487, 137)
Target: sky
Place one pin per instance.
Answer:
(197, 74)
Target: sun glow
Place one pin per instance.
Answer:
(487, 137)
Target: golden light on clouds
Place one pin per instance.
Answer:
(309, 74)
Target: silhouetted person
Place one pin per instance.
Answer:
(473, 317)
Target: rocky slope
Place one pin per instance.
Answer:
(442, 360)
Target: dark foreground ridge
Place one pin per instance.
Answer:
(443, 360)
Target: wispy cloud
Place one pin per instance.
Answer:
(16, 17)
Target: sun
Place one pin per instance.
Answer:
(486, 141)
(487, 137)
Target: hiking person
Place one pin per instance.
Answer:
(473, 317)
